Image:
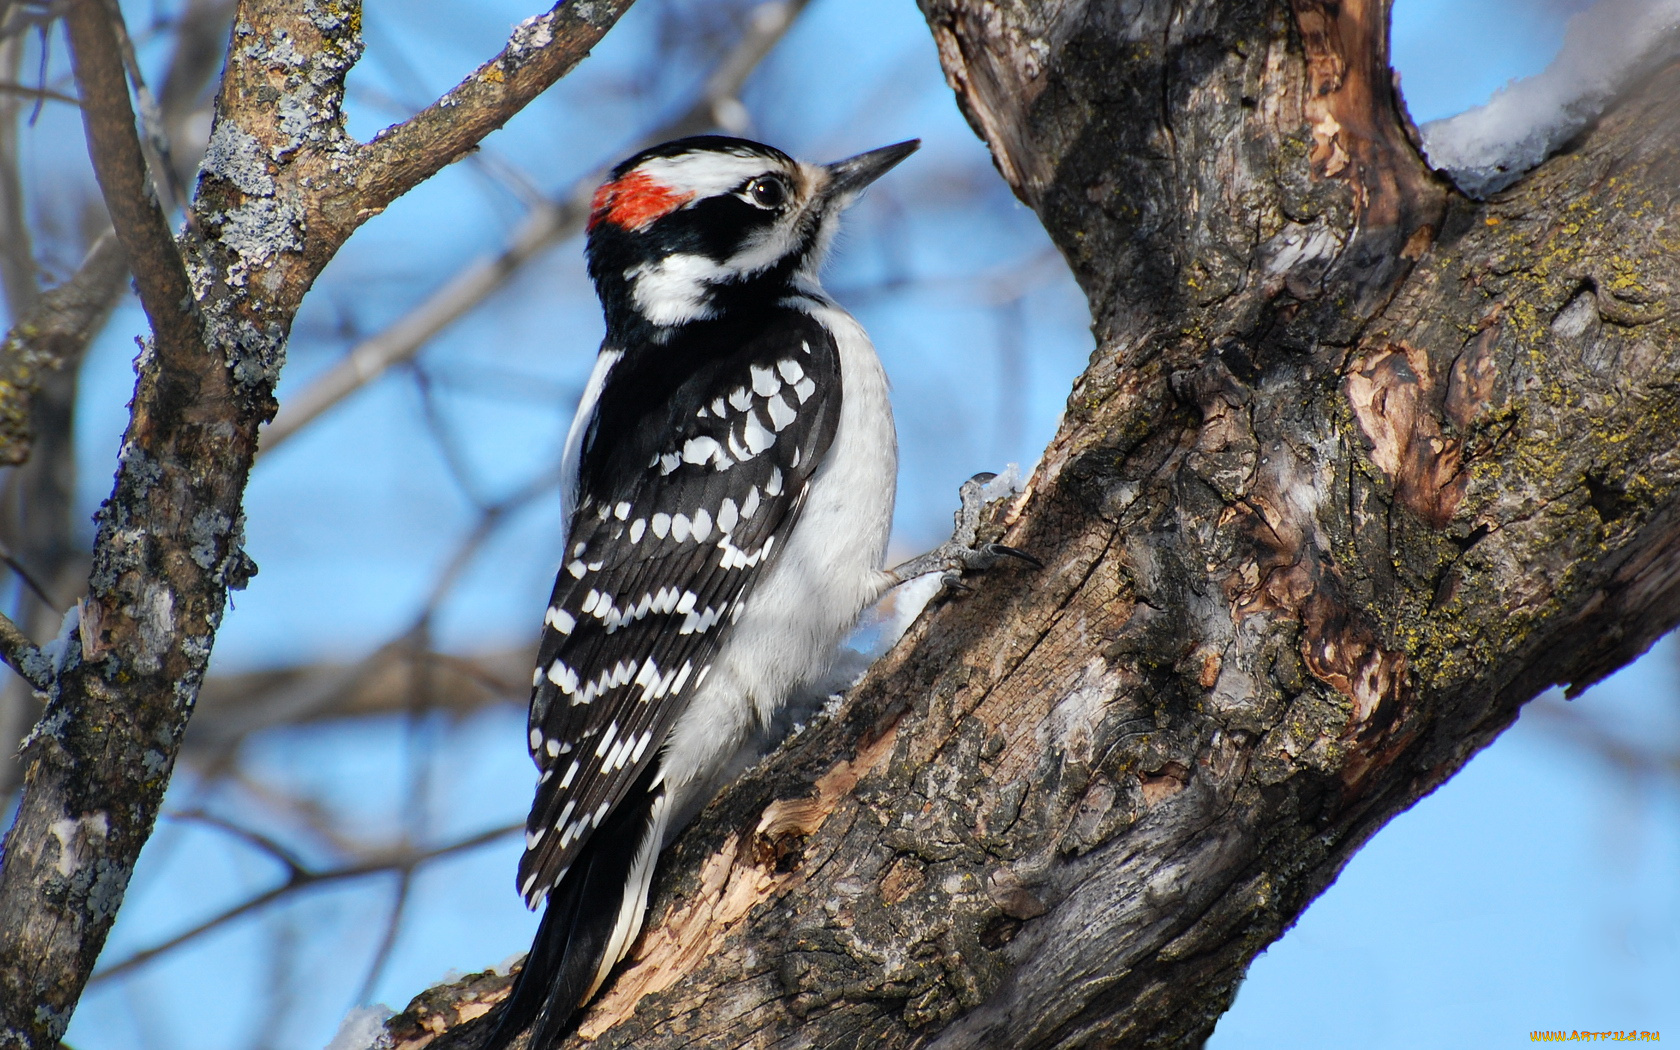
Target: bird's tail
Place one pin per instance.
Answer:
(591, 920)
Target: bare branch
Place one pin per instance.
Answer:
(306, 812)
(28, 578)
(1627, 757)
(23, 656)
(25, 91)
(548, 223)
(367, 360)
(388, 940)
(294, 865)
(405, 861)
(121, 169)
(541, 50)
(17, 254)
(284, 194)
(166, 177)
(54, 335)
(233, 706)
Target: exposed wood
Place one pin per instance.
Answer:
(1358, 468)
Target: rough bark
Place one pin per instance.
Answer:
(1358, 468)
(40, 370)
(281, 188)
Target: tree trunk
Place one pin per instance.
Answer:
(1358, 468)
(283, 185)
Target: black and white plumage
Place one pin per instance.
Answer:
(730, 491)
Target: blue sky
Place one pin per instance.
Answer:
(1538, 889)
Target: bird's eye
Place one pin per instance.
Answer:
(767, 191)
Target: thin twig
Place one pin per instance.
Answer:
(405, 862)
(541, 50)
(28, 580)
(1590, 734)
(310, 813)
(54, 334)
(291, 861)
(393, 924)
(18, 275)
(454, 457)
(19, 22)
(367, 360)
(41, 73)
(549, 223)
(492, 518)
(231, 707)
(40, 93)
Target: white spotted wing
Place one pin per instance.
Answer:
(693, 470)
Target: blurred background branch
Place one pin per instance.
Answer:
(550, 222)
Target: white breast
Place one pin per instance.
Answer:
(827, 574)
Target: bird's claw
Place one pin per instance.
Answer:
(994, 551)
(951, 580)
(961, 553)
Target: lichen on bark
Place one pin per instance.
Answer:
(283, 186)
(1359, 466)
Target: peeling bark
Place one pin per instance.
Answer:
(1358, 468)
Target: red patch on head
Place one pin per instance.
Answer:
(634, 201)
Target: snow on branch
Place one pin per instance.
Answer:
(1605, 48)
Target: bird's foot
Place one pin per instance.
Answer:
(960, 553)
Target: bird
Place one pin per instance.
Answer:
(728, 488)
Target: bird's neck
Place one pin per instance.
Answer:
(655, 302)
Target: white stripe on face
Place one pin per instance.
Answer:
(706, 174)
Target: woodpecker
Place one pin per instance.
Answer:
(728, 492)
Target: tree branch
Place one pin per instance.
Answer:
(25, 91)
(233, 706)
(22, 655)
(17, 253)
(166, 178)
(125, 181)
(281, 187)
(298, 879)
(1358, 468)
(53, 336)
(541, 50)
(547, 224)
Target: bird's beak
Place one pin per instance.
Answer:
(846, 178)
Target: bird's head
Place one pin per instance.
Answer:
(678, 229)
